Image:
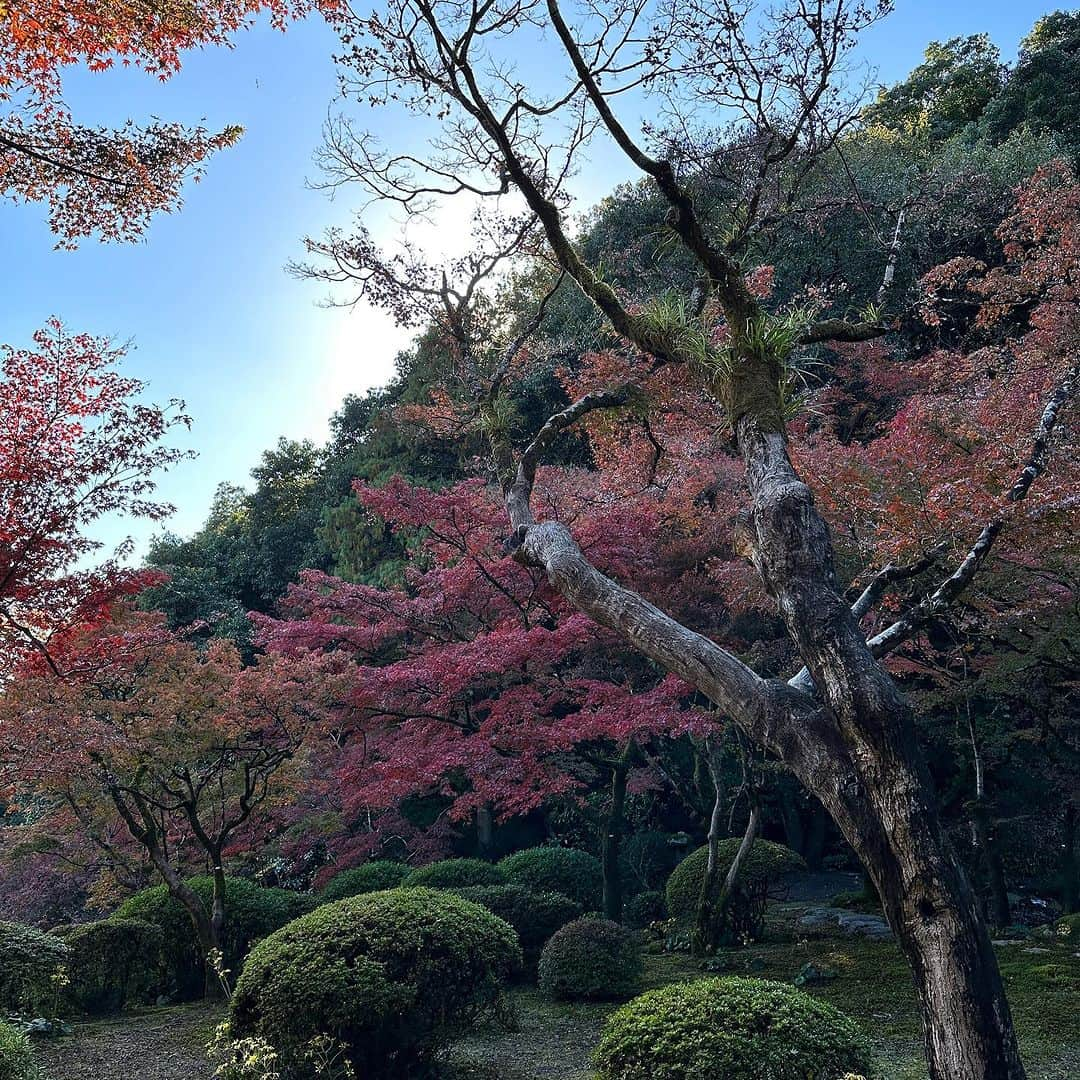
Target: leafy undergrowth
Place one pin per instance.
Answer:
(555, 1040)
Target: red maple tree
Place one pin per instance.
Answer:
(77, 444)
(97, 180)
(149, 752)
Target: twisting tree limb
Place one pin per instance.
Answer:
(948, 590)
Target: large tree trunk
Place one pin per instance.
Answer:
(485, 831)
(207, 925)
(870, 778)
(891, 818)
(217, 978)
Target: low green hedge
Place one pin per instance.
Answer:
(389, 976)
(729, 1029)
(573, 873)
(16, 1055)
(251, 913)
(455, 874)
(590, 958)
(370, 877)
(112, 963)
(32, 970)
(534, 915)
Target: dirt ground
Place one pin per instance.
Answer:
(156, 1044)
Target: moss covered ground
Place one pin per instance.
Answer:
(871, 983)
(554, 1040)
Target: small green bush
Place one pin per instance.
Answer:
(16, 1055)
(112, 963)
(765, 863)
(729, 1029)
(251, 913)
(534, 915)
(390, 975)
(645, 909)
(371, 877)
(576, 874)
(454, 874)
(590, 958)
(32, 968)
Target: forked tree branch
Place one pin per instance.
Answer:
(912, 621)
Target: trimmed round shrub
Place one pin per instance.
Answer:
(251, 913)
(765, 863)
(534, 915)
(371, 877)
(112, 963)
(590, 958)
(32, 964)
(729, 1029)
(573, 873)
(390, 975)
(455, 874)
(16, 1055)
(645, 909)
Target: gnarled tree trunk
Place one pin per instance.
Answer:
(887, 808)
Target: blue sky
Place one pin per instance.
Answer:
(211, 313)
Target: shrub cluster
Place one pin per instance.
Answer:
(251, 913)
(32, 967)
(111, 964)
(765, 863)
(729, 1029)
(576, 874)
(370, 877)
(763, 866)
(16, 1055)
(534, 915)
(390, 976)
(455, 874)
(590, 958)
